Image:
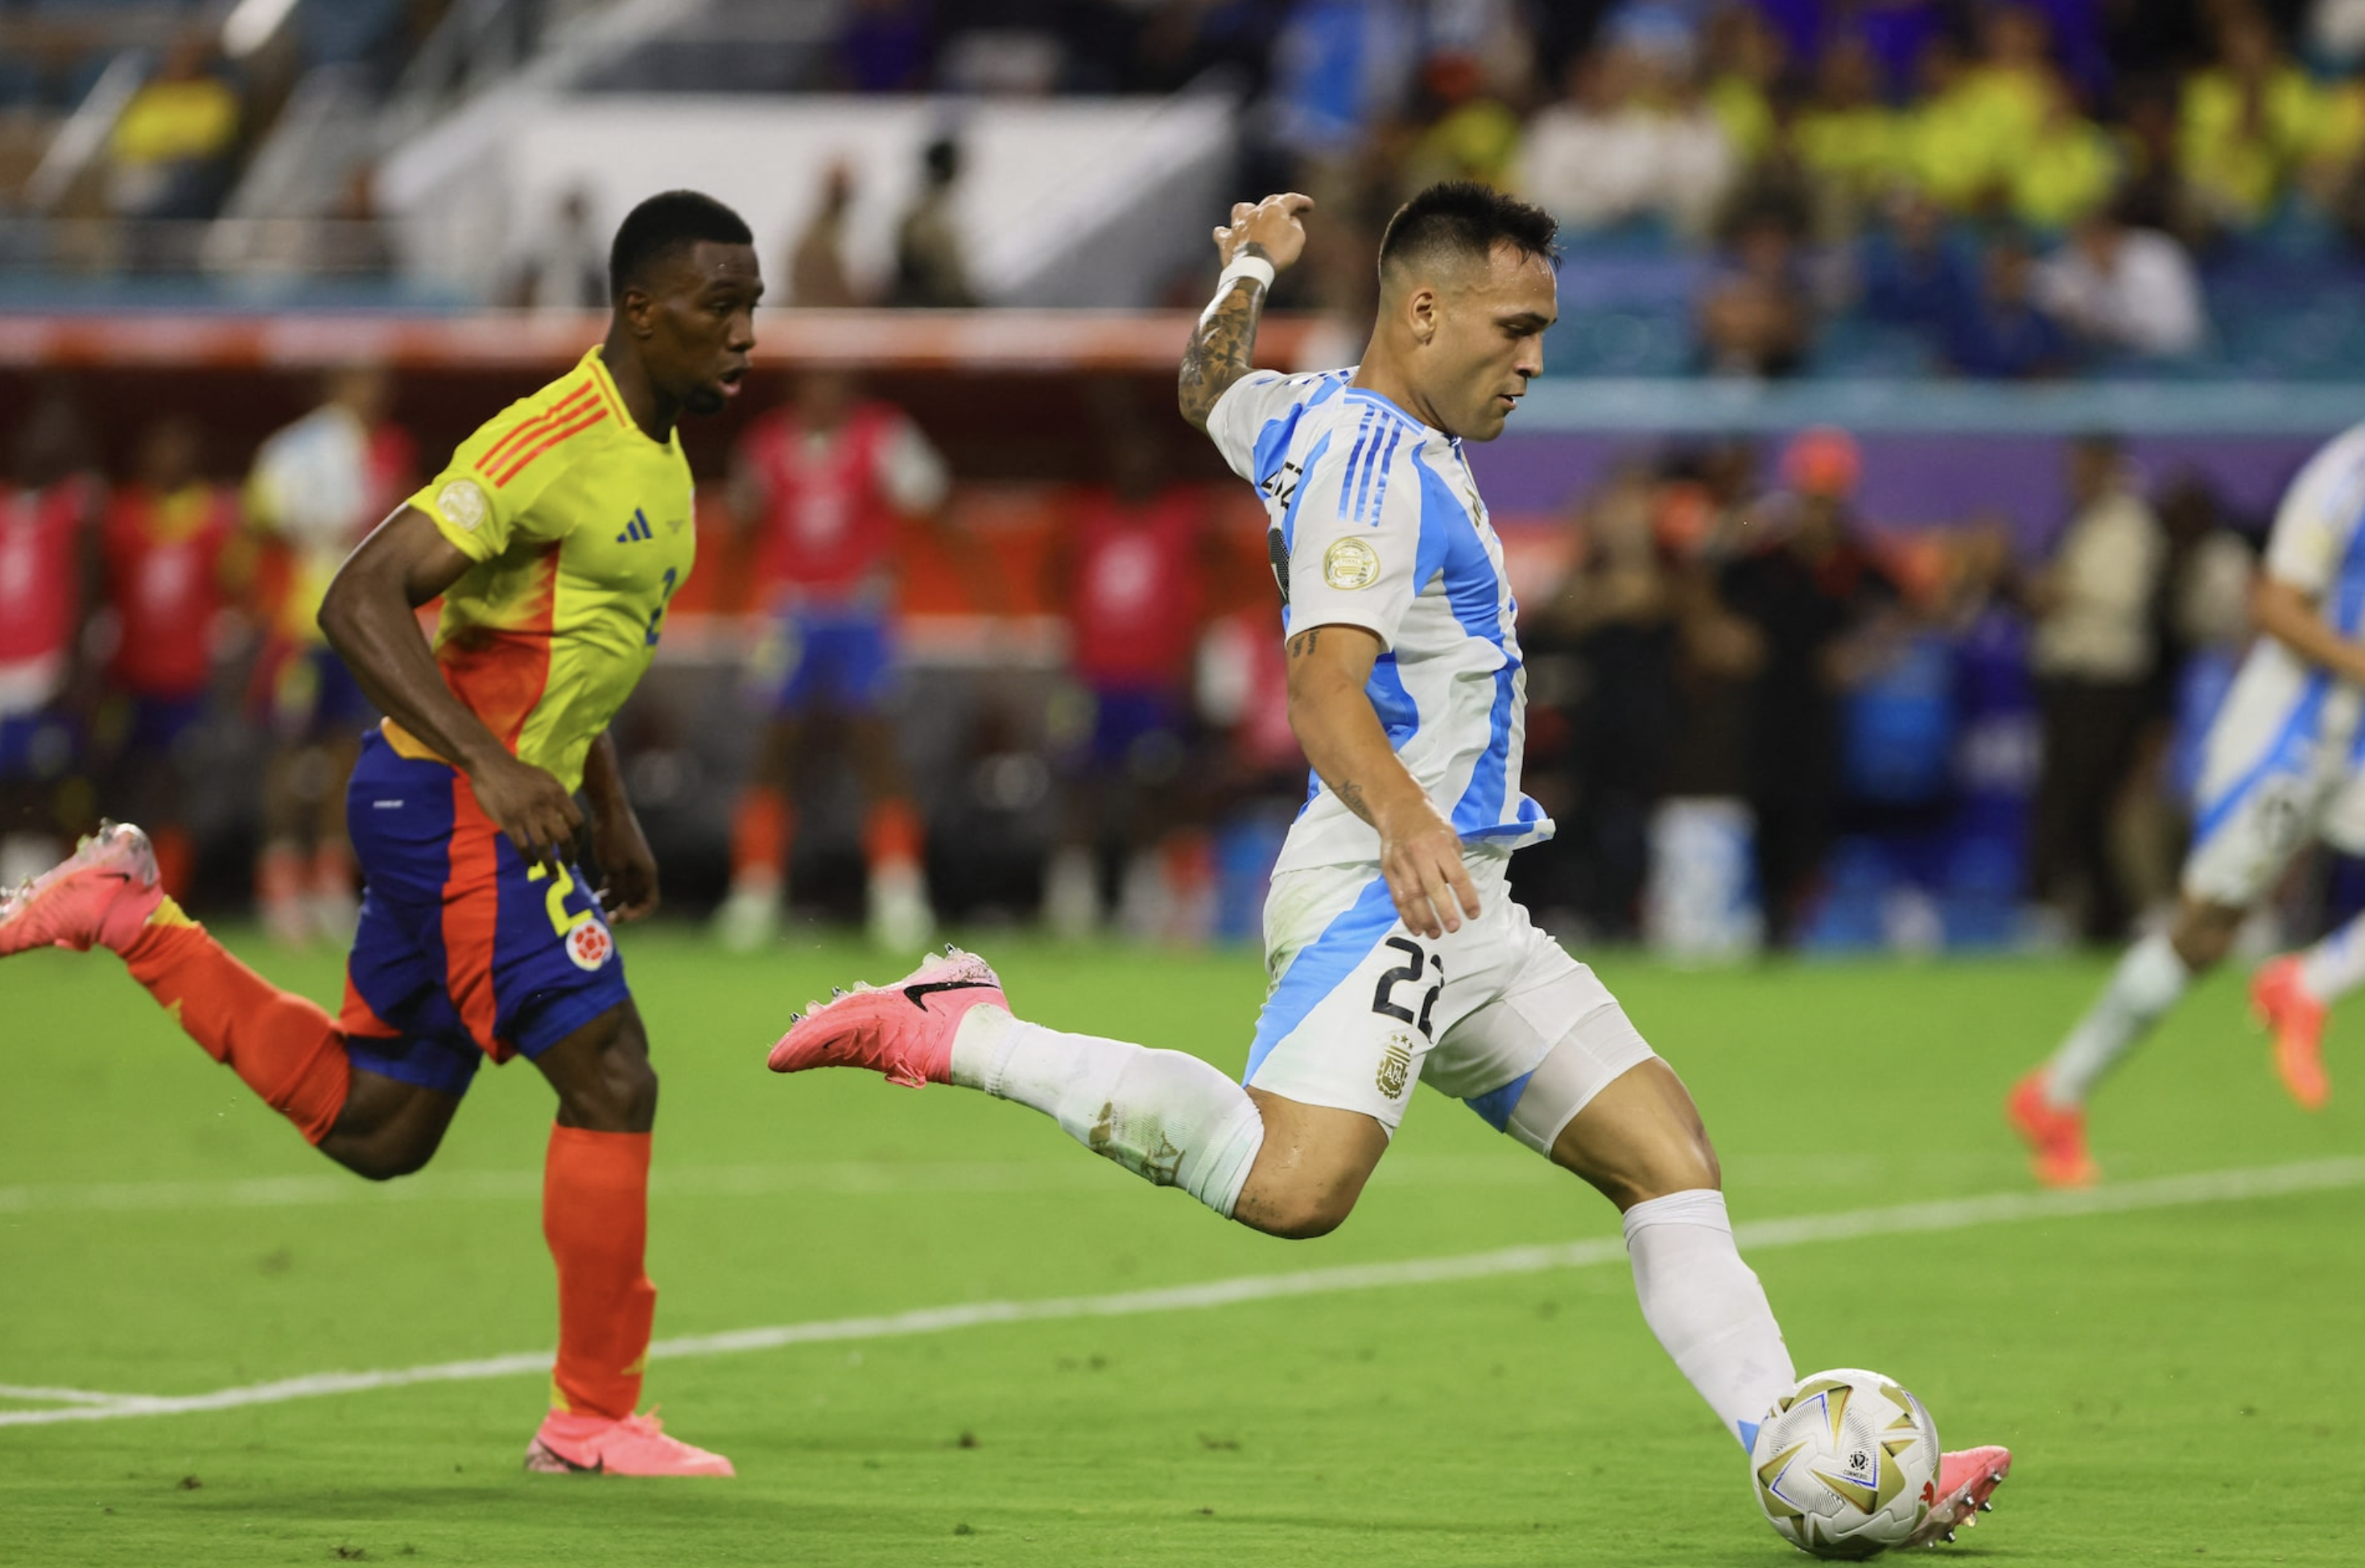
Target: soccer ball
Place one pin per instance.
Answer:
(1846, 1464)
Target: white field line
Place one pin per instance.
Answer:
(1904, 1219)
(61, 1395)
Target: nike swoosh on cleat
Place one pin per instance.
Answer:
(913, 993)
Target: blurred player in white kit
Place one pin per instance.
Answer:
(2282, 770)
(1394, 950)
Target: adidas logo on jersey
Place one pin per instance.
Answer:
(637, 529)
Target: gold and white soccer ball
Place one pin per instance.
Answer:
(1846, 1464)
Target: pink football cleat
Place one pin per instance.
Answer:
(595, 1445)
(2055, 1136)
(1966, 1481)
(2296, 1020)
(905, 1030)
(100, 896)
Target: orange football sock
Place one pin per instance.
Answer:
(595, 1215)
(760, 829)
(892, 835)
(284, 1048)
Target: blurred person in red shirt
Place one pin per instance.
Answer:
(1129, 571)
(46, 564)
(169, 546)
(318, 486)
(826, 480)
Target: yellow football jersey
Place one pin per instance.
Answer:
(580, 528)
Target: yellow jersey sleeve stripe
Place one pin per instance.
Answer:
(523, 432)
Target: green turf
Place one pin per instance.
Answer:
(2179, 1385)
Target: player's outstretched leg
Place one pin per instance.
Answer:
(2292, 996)
(595, 1216)
(1167, 1116)
(2047, 1106)
(107, 895)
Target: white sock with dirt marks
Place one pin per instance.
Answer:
(1706, 1308)
(2147, 984)
(1167, 1116)
(2335, 966)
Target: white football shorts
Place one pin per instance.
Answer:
(2279, 771)
(1358, 1008)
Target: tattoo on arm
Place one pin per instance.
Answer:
(1304, 642)
(1221, 347)
(1351, 795)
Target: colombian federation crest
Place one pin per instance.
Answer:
(589, 946)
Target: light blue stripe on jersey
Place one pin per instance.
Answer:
(1355, 462)
(1272, 442)
(1374, 480)
(1474, 590)
(1289, 518)
(2286, 753)
(1399, 714)
(1319, 966)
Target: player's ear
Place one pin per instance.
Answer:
(636, 307)
(1420, 314)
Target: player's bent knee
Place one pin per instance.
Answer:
(603, 1074)
(1641, 1138)
(1294, 1215)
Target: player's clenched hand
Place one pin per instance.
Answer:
(1275, 225)
(1422, 862)
(630, 890)
(530, 806)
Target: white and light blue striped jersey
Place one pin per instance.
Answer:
(2283, 714)
(1375, 522)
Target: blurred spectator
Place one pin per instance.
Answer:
(1913, 273)
(1474, 136)
(825, 482)
(168, 540)
(1128, 568)
(1756, 317)
(886, 46)
(169, 153)
(1339, 69)
(2003, 333)
(567, 267)
(2126, 288)
(1816, 602)
(1605, 154)
(2248, 122)
(48, 563)
(931, 253)
(2093, 653)
(318, 486)
(1743, 64)
(817, 274)
(1846, 137)
(2068, 169)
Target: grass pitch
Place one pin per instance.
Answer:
(2179, 1383)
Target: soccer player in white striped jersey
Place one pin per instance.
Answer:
(2284, 765)
(1394, 952)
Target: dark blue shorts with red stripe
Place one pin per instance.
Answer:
(463, 950)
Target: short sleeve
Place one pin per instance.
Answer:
(2318, 520)
(1237, 422)
(1355, 538)
(483, 516)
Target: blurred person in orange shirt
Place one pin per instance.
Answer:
(317, 487)
(46, 562)
(1130, 572)
(826, 481)
(169, 544)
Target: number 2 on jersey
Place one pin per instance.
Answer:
(656, 616)
(1410, 971)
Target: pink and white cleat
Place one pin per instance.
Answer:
(1966, 1481)
(100, 896)
(905, 1030)
(2281, 1001)
(636, 1445)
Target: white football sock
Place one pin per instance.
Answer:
(2147, 984)
(1164, 1116)
(1706, 1308)
(2335, 966)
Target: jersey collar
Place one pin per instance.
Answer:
(595, 360)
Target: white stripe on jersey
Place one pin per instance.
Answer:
(1375, 522)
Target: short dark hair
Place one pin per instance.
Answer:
(1462, 217)
(663, 224)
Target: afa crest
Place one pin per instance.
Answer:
(1396, 1068)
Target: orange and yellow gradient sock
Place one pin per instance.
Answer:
(595, 1215)
(282, 1047)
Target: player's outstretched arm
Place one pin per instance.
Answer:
(370, 618)
(2291, 617)
(1420, 855)
(1263, 238)
(630, 890)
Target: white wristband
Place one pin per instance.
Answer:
(1256, 267)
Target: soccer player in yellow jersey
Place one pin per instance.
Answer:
(556, 537)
